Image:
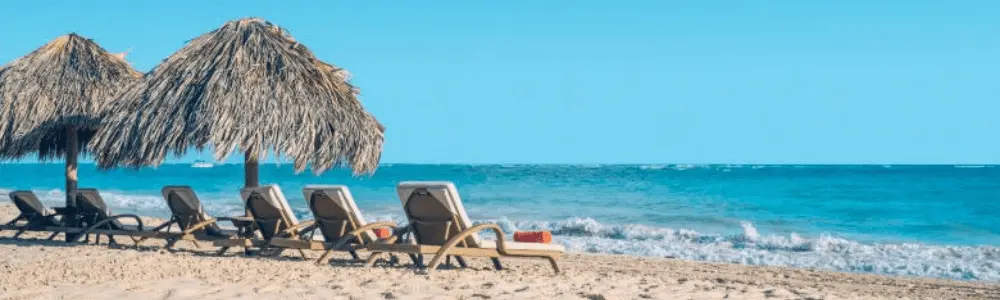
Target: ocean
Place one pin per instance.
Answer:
(927, 221)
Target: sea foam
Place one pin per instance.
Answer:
(753, 248)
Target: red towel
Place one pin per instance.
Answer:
(543, 237)
(382, 232)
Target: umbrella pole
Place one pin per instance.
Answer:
(250, 171)
(72, 145)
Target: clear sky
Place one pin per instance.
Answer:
(616, 81)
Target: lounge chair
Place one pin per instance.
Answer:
(439, 225)
(187, 213)
(34, 215)
(339, 221)
(272, 218)
(93, 217)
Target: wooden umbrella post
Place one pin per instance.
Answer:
(72, 147)
(251, 169)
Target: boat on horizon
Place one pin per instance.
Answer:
(201, 164)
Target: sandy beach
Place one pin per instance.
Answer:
(36, 269)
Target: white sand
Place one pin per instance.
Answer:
(37, 269)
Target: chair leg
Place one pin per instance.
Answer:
(461, 262)
(222, 251)
(372, 258)
(53, 236)
(436, 261)
(196, 245)
(418, 261)
(496, 263)
(19, 232)
(170, 244)
(303, 253)
(354, 254)
(323, 259)
(134, 241)
(552, 261)
(70, 238)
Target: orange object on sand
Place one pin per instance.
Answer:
(543, 237)
(382, 232)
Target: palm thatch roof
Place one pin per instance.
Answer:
(250, 86)
(64, 84)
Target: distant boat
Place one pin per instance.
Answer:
(201, 164)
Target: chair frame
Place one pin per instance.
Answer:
(458, 247)
(246, 241)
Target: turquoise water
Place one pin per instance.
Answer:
(933, 221)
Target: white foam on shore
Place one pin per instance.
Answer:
(752, 248)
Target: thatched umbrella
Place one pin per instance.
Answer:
(49, 99)
(249, 86)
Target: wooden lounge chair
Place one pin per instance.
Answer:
(339, 221)
(187, 213)
(93, 217)
(439, 225)
(34, 216)
(272, 218)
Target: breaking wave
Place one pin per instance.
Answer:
(753, 248)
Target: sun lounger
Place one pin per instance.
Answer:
(188, 215)
(93, 217)
(34, 215)
(272, 218)
(439, 225)
(339, 221)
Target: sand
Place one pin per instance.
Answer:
(36, 269)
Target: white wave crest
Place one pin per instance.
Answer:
(753, 248)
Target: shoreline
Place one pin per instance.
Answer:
(38, 269)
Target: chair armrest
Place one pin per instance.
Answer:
(235, 219)
(501, 244)
(442, 253)
(199, 226)
(294, 230)
(123, 216)
(370, 226)
(106, 221)
(356, 234)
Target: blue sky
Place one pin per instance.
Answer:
(617, 82)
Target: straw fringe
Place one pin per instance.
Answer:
(250, 86)
(65, 83)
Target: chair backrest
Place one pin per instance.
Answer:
(269, 209)
(184, 206)
(90, 204)
(335, 211)
(29, 205)
(435, 212)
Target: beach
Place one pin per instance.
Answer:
(36, 269)
(660, 151)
